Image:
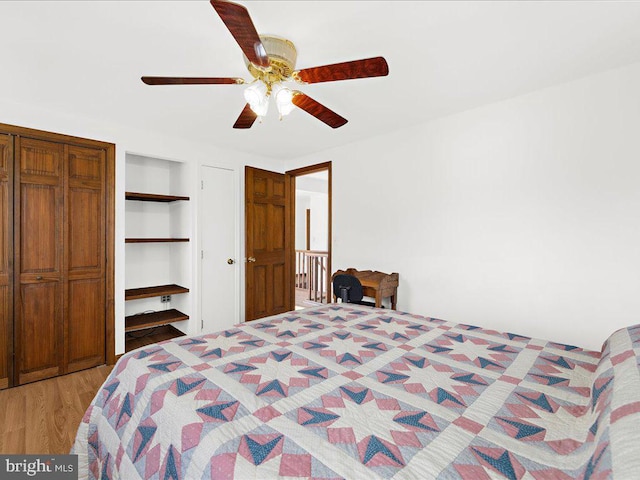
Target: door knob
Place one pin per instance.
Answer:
(251, 259)
(230, 261)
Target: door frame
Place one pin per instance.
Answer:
(298, 172)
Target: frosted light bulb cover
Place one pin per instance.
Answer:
(283, 97)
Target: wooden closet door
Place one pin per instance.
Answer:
(86, 227)
(38, 246)
(6, 259)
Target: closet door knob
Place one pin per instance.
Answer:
(38, 277)
(230, 261)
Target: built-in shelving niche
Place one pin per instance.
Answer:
(157, 251)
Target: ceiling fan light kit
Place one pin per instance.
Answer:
(271, 60)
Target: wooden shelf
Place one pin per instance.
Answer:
(135, 340)
(152, 197)
(148, 292)
(154, 240)
(154, 319)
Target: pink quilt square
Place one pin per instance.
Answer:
(293, 465)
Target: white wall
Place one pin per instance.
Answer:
(145, 143)
(523, 215)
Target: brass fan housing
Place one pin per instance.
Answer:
(282, 57)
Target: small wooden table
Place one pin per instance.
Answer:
(375, 284)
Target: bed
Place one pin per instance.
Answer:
(344, 391)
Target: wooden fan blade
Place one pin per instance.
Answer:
(322, 113)
(191, 80)
(237, 19)
(246, 118)
(369, 67)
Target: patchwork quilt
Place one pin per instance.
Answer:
(344, 391)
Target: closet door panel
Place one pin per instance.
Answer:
(40, 357)
(85, 332)
(85, 231)
(6, 256)
(86, 303)
(39, 273)
(39, 227)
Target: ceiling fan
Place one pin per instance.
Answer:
(271, 62)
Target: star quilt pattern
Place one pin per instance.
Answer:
(344, 391)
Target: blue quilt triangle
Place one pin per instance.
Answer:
(216, 351)
(397, 335)
(279, 357)
(500, 348)
(439, 349)
(111, 388)
(314, 372)
(484, 363)
(592, 464)
(596, 392)
(524, 429)
(273, 385)
(318, 417)
(239, 367)
(375, 346)
(183, 387)
(561, 362)
(145, 354)
(458, 338)
(444, 395)
(468, 378)
(171, 472)
(417, 362)
(104, 475)
(342, 336)
(347, 357)
(357, 397)
(259, 451)
(126, 408)
(417, 327)
(550, 379)
(502, 463)
(164, 367)
(215, 411)
(513, 336)
(287, 333)
(146, 433)
(393, 377)
(376, 446)
(542, 401)
(414, 421)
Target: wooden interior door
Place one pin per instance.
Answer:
(268, 239)
(85, 258)
(38, 246)
(6, 256)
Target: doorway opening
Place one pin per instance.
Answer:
(311, 215)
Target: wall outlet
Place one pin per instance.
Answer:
(165, 298)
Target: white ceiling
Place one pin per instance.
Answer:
(86, 58)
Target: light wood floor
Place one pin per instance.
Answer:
(42, 417)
